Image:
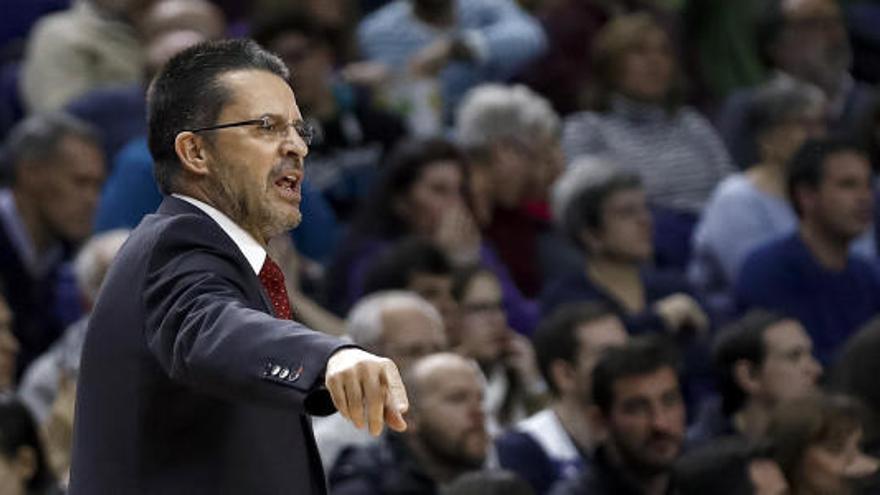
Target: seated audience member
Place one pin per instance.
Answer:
(855, 373)
(57, 170)
(420, 193)
(511, 135)
(514, 388)
(730, 467)
(418, 266)
(804, 40)
(8, 348)
(494, 482)
(557, 442)
(810, 274)
(816, 443)
(640, 409)
(91, 44)
(457, 43)
(353, 136)
(23, 468)
(42, 379)
(750, 208)
(604, 211)
(398, 325)
(639, 121)
(761, 360)
(445, 437)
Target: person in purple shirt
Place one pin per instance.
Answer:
(811, 274)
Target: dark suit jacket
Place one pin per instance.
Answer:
(188, 384)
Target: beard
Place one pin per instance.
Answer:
(248, 206)
(451, 452)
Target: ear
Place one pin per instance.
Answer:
(805, 196)
(746, 377)
(191, 151)
(25, 462)
(563, 376)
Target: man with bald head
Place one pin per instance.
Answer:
(446, 434)
(399, 325)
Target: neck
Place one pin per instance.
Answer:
(652, 483)
(571, 414)
(437, 469)
(831, 252)
(206, 196)
(620, 278)
(769, 177)
(751, 421)
(39, 234)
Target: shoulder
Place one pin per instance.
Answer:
(385, 18)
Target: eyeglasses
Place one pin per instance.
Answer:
(270, 126)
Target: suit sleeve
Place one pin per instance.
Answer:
(205, 333)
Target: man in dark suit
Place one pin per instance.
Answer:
(194, 379)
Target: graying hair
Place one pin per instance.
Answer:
(94, 259)
(577, 196)
(364, 323)
(782, 99)
(37, 138)
(491, 112)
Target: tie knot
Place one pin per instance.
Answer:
(271, 270)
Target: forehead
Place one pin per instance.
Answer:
(785, 334)
(481, 286)
(651, 384)
(256, 92)
(451, 377)
(845, 163)
(408, 324)
(799, 9)
(598, 335)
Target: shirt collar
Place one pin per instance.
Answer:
(253, 252)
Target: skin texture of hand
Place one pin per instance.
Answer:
(458, 235)
(430, 60)
(681, 310)
(367, 389)
(521, 358)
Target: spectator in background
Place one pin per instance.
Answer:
(811, 274)
(804, 40)
(57, 170)
(445, 437)
(119, 110)
(455, 43)
(638, 121)
(762, 360)
(855, 373)
(91, 44)
(816, 443)
(639, 406)
(419, 266)
(41, 381)
(557, 443)
(514, 388)
(604, 211)
(750, 208)
(511, 135)
(23, 468)
(494, 482)
(398, 325)
(420, 193)
(353, 135)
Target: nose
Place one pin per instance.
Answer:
(293, 144)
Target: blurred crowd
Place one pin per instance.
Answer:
(614, 246)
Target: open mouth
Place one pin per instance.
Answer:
(288, 186)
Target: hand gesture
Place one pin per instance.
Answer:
(430, 60)
(680, 311)
(458, 235)
(367, 390)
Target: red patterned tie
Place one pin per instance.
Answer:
(273, 281)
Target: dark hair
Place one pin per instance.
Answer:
(856, 370)
(17, 430)
(269, 26)
(740, 340)
(807, 166)
(781, 100)
(394, 268)
(462, 278)
(798, 424)
(188, 94)
(405, 167)
(556, 336)
(869, 134)
(769, 25)
(611, 44)
(37, 138)
(585, 207)
(639, 356)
